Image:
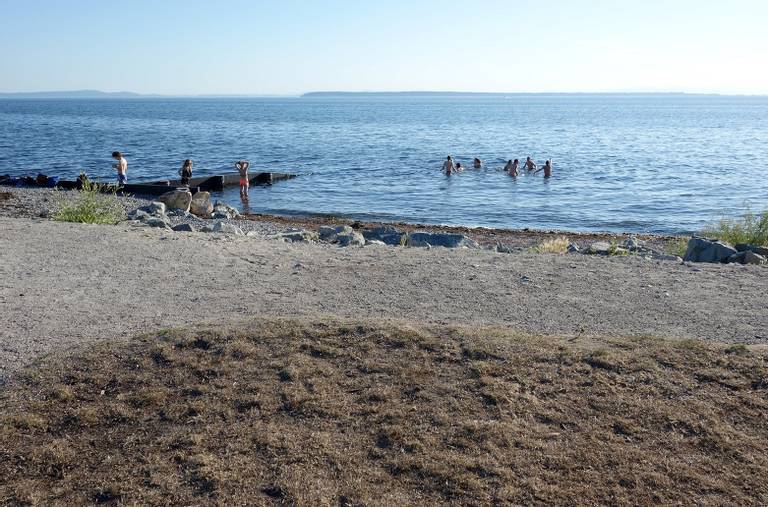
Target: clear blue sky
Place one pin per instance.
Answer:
(291, 46)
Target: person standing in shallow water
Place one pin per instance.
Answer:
(530, 164)
(512, 167)
(121, 167)
(242, 168)
(448, 166)
(547, 169)
(186, 173)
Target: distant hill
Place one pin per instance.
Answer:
(75, 94)
(470, 94)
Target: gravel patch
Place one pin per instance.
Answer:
(64, 283)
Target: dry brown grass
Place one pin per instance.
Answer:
(555, 245)
(345, 414)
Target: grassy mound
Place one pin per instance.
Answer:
(340, 414)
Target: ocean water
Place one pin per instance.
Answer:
(657, 163)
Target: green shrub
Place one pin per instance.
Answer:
(90, 206)
(751, 228)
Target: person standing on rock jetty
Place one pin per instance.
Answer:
(242, 168)
(448, 166)
(186, 173)
(121, 167)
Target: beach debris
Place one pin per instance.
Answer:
(176, 199)
(183, 228)
(201, 204)
(573, 248)
(446, 240)
(708, 250)
(155, 208)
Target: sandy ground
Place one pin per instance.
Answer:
(63, 284)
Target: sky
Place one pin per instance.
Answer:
(287, 47)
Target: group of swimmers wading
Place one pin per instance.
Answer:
(512, 167)
(185, 172)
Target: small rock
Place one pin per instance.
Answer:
(201, 204)
(374, 242)
(573, 248)
(225, 211)
(155, 208)
(157, 222)
(226, 228)
(447, 240)
(759, 250)
(329, 234)
(599, 248)
(352, 239)
(631, 244)
(751, 257)
(138, 214)
(387, 235)
(206, 228)
(176, 199)
(297, 236)
(183, 228)
(180, 213)
(502, 248)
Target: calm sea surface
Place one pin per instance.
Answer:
(621, 163)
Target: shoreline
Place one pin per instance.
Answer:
(37, 203)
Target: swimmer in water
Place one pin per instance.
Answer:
(530, 164)
(512, 167)
(459, 168)
(477, 163)
(547, 169)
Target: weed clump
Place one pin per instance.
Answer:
(751, 228)
(90, 206)
(557, 246)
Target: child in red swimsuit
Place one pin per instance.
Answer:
(242, 167)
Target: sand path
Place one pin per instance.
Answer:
(65, 284)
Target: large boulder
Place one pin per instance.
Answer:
(443, 239)
(387, 235)
(176, 199)
(201, 204)
(707, 250)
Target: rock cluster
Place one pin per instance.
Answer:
(709, 250)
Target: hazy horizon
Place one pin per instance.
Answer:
(240, 47)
